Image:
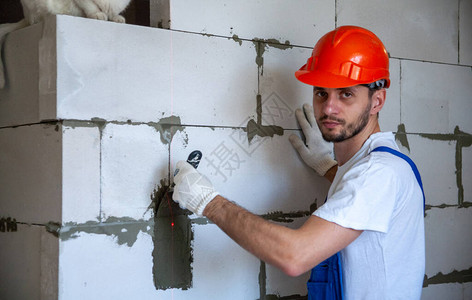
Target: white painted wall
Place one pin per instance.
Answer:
(110, 84)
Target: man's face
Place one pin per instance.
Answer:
(341, 113)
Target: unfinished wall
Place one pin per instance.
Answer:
(87, 151)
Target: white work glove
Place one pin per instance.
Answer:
(317, 153)
(192, 190)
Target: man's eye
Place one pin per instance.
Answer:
(320, 94)
(347, 94)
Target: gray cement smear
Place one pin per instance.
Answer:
(462, 140)
(453, 277)
(172, 239)
(262, 281)
(261, 44)
(167, 127)
(54, 228)
(278, 216)
(252, 129)
(400, 136)
(237, 39)
(158, 195)
(124, 229)
(255, 128)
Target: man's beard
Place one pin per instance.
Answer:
(350, 130)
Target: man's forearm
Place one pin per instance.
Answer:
(294, 251)
(270, 242)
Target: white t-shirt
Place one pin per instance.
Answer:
(379, 194)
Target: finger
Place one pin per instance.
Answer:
(175, 197)
(182, 168)
(310, 114)
(304, 124)
(298, 144)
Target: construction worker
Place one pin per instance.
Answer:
(373, 215)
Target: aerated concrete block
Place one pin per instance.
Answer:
(300, 24)
(389, 117)
(437, 168)
(20, 261)
(467, 290)
(443, 291)
(465, 32)
(281, 93)
(93, 84)
(217, 258)
(133, 162)
(29, 268)
(423, 30)
(80, 172)
(448, 240)
(95, 265)
(31, 173)
(435, 97)
(467, 173)
(19, 99)
(214, 81)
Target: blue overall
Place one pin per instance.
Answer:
(326, 282)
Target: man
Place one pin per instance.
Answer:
(374, 209)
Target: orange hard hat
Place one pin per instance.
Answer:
(346, 56)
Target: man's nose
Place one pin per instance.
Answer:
(330, 106)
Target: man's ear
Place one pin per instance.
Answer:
(378, 101)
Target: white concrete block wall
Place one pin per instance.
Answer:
(390, 115)
(281, 93)
(95, 266)
(31, 174)
(133, 161)
(29, 263)
(439, 91)
(439, 181)
(89, 79)
(20, 53)
(467, 172)
(454, 248)
(421, 30)
(229, 89)
(444, 291)
(465, 26)
(114, 87)
(219, 259)
(300, 24)
(81, 197)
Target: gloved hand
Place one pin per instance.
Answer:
(192, 190)
(317, 153)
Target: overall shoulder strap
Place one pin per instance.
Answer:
(409, 161)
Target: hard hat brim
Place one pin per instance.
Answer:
(329, 80)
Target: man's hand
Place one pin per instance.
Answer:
(317, 153)
(192, 190)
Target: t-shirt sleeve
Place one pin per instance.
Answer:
(364, 199)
